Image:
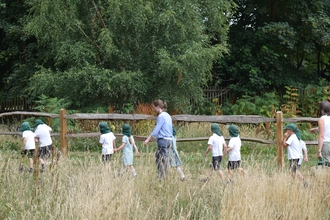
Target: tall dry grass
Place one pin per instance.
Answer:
(82, 188)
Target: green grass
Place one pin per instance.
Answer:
(80, 187)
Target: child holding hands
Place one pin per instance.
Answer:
(127, 146)
(107, 141)
(218, 146)
(29, 145)
(234, 149)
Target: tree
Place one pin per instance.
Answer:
(17, 51)
(121, 51)
(276, 43)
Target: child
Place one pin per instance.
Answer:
(291, 141)
(175, 158)
(42, 133)
(28, 145)
(127, 145)
(217, 144)
(234, 149)
(304, 149)
(107, 141)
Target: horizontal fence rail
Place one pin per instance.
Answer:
(222, 119)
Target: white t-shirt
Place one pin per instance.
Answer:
(326, 127)
(235, 153)
(294, 148)
(43, 132)
(304, 148)
(107, 142)
(30, 142)
(217, 143)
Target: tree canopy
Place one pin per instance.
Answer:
(117, 52)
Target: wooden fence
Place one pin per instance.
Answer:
(222, 119)
(16, 104)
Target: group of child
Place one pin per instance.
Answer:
(107, 140)
(41, 135)
(216, 144)
(297, 151)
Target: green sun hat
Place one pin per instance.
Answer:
(126, 130)
(233, 131)
(104, 128)
(291, 127)
(215, 128)
(25, 126)
(38, 122)
(298, 134)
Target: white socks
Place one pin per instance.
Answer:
(180, 172)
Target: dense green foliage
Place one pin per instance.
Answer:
(118, 52)
(94, 54)
(275, 44)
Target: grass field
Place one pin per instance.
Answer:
(80, 187)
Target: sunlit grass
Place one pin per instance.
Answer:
(80, 187)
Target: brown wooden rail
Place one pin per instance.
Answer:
(222, 119)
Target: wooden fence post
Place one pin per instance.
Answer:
(63, 131)
(279, 139)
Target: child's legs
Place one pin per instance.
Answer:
(123, 170)
(299, 175)
(31, 155)
(294, 167)
(31, 162)
(180, 172)
(221, 174)
(132, 170)
(23, 153)
(216, 165)
(131, 167)
(231, 167)
(241, 170)
(231, 174)
(41, 153)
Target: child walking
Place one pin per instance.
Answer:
(42, 133)
(175, 158)
(218, 146)
(304, 155)
(107, 141)
(127, 146)
(234, 149)
(29, 145)
(291, 141)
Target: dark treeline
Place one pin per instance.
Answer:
(121, 53)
